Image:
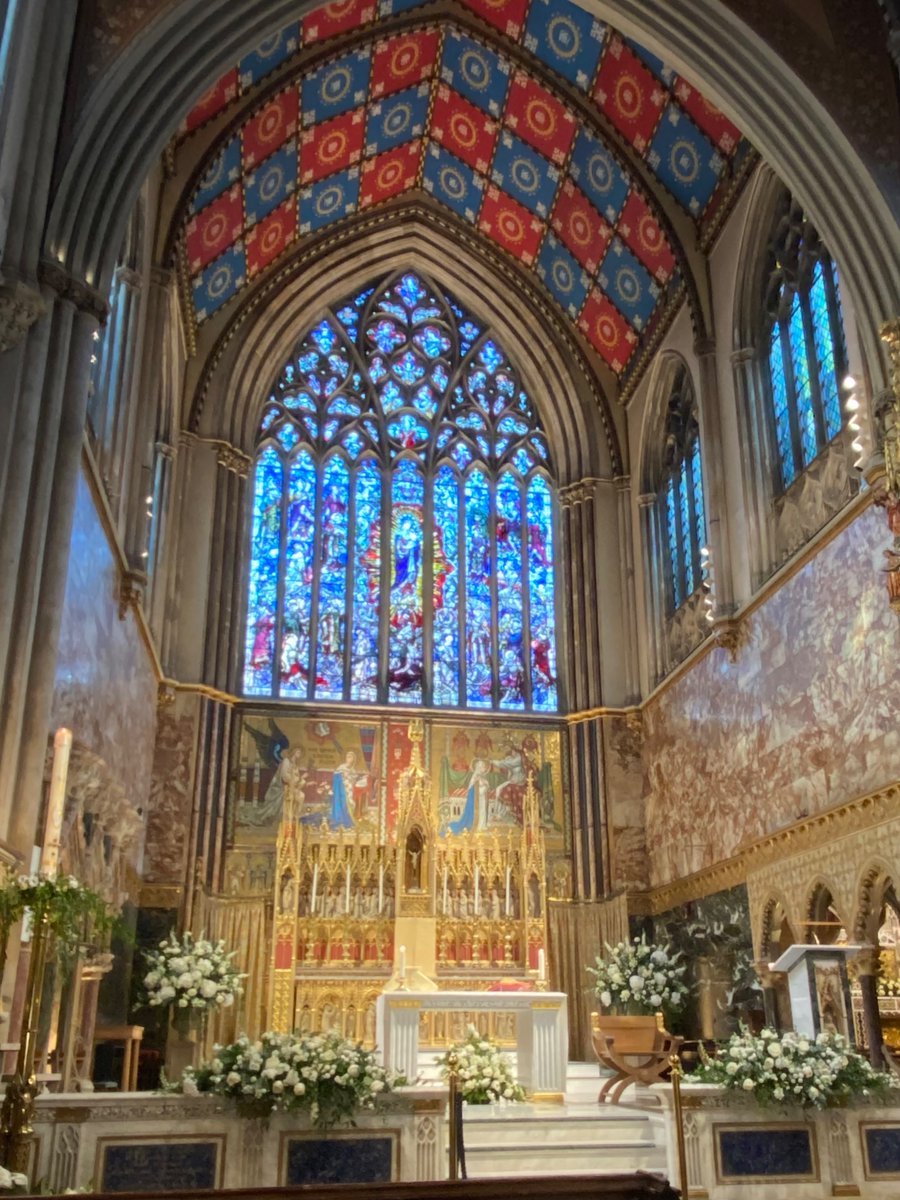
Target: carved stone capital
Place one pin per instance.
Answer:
(743, 355)
(731, 635)
(165, 695)
(68, 287)
(704, 346)
(234, 460)
(131, 278)
(161, 277)
(131, 592)
(20, 307)
(166, 450)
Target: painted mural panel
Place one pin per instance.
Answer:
(347, 773)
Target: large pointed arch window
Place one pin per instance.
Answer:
(681, 495)
(805, 343)
(403, 532)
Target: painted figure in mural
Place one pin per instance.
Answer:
(407, 555)
(347, 777)
(474, 815)
(515, 766)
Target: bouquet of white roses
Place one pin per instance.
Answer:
(788, 1068)
(485, 1075)
(326, 1075)
(640, 977)
(191, 974)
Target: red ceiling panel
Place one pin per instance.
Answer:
(539, 118)
(629, 94)
(271, 236)
(404, 61)
(267, 129)
(580, 227)
(511, 225)
(640, 231)
(215, 228)
(332, 146)
(464, 129)
(390, 174)
(607, 330)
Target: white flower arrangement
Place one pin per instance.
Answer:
(485, 1074)
(13, 1181)
(790, 1069)
(640, 977)
(326, 1075)
(193, 974)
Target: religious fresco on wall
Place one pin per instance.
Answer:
(345, 776)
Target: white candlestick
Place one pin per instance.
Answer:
(56, 802)
(380, 887)
(444, 904)
(315, 888)
(477, 904)
(347, 891)
(542, 966)
(401, 964)
(506, 912)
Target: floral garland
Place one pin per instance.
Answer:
(640, 977)
(788, 1068)
(326, 1076)
(485, 1075)
(73, 913)
(193, 974)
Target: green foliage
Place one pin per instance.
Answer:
(75, 915)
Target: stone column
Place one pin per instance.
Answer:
(716, 498)
(34, 546)
(224, 621)
(757, 466)
(626, 573)
(654, 589)
(867, 964)
(770, 994)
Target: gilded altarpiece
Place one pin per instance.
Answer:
(364, 835)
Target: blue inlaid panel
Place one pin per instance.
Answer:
(766, 1152)
(882, 1147)
(169, 1166)
(338, 1160)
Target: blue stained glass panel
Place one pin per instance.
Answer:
(780, 408)
(446, 587)
(298, 575)
(329, 684)
(684, 514)
(366, 582)
(672, 539)
(338, 534)
(406, 618)
(510, 650)
(479, 572)
(806, 417)
(825, 362)
(265, 559)
(540, 594)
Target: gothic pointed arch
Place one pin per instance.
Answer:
(403, 536)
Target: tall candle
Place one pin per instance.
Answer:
(477, 905)
(380, 887)
(507, 892)
(401, 964)
(444, 905)
(56, 802)
(347, 892)
(542, 965)
(315, 888)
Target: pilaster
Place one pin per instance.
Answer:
(713, 448)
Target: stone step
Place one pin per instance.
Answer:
(569, 1130)
(565, 1159)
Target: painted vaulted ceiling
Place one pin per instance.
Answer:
(509, 129)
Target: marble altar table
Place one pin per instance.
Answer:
(542, 1032)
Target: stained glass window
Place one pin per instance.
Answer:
(402, 542)
(681, 500)
(805, 338)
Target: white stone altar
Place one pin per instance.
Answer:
(542, 1032)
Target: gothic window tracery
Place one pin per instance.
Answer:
(804, 341)
(403, 531)
(681, 495)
